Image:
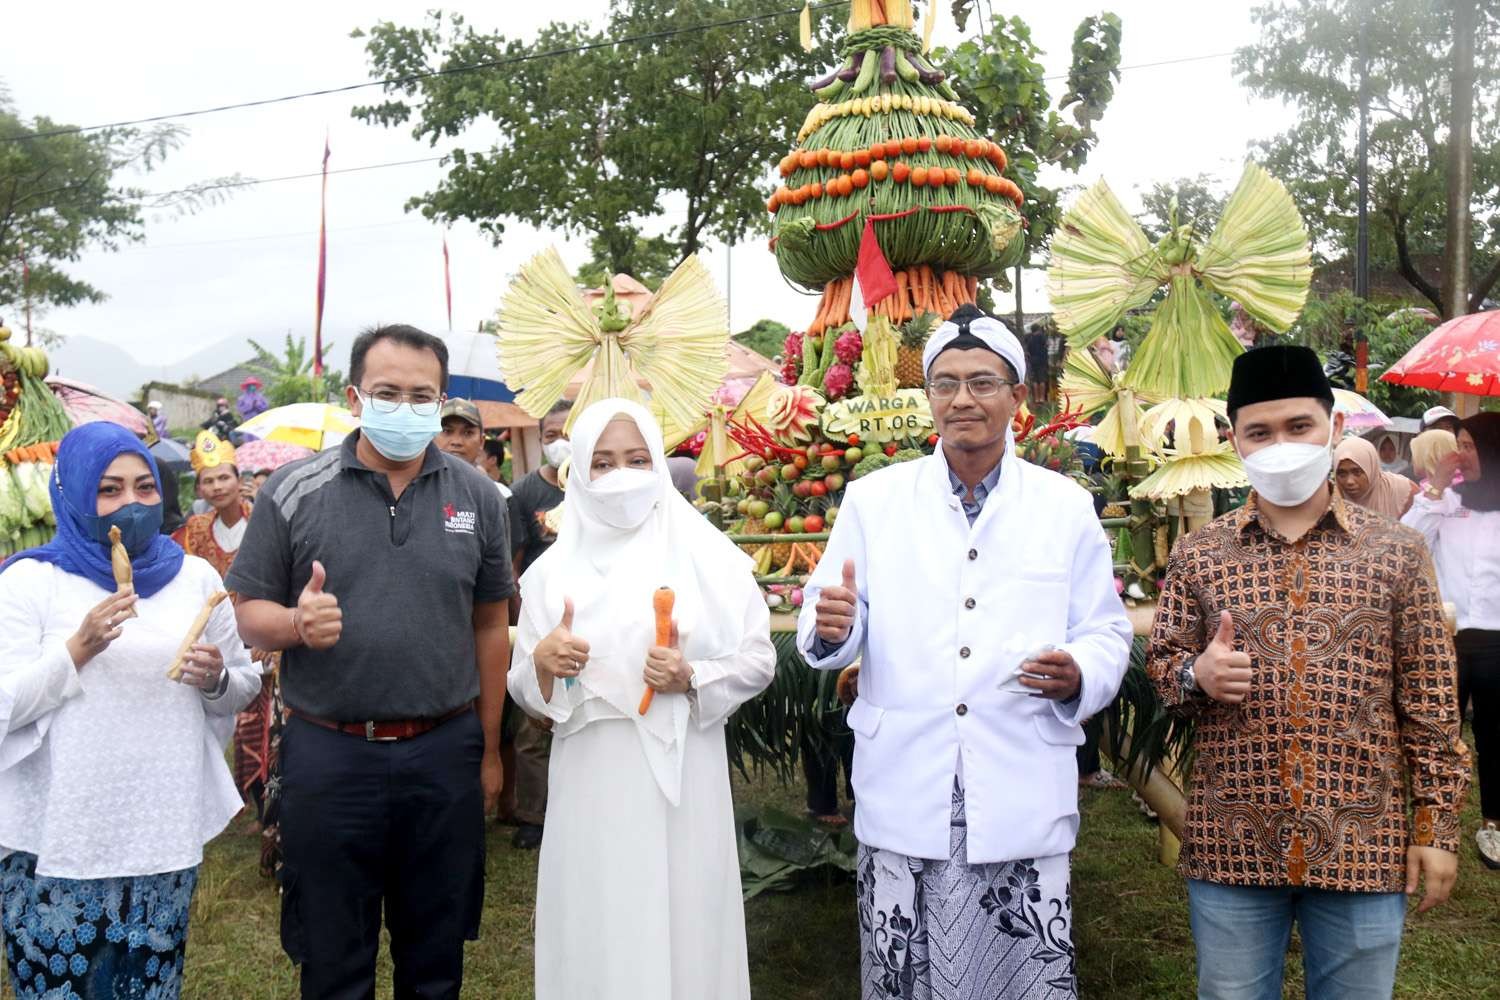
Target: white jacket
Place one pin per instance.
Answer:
(946, 612)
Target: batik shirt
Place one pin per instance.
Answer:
(1354, 692)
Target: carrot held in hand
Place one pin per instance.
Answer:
(194, 634)
(119, 561)
(661, 602)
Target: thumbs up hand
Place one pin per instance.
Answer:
(561, 653)
(666, 670)
(318, 620)
(835, 610)
(1223, 672)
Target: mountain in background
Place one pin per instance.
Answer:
(117, 372)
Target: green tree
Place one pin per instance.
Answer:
(592, 143)
(1198, 202)
(766, 338)
(1309, 56)
(1391, 331)
(288, 376)
(1000, 77)
(649, 260)
(60, 195)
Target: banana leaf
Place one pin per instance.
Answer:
(799, 713)
(1259, 254)
(1102, 267)
(1156, 736)
(776, 850)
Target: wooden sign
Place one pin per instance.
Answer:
(902, 414)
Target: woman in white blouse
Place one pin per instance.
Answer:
(638, 895)
(112, 776)
(1462, 527)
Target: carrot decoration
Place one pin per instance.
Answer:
(194, 634)
(119, 561)
(662, 603)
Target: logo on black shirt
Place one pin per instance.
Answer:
(458, 522)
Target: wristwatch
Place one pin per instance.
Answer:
(1186, 677)
(1432, 493)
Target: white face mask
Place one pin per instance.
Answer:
(1287, 473)
(624, 498)
(557, 452)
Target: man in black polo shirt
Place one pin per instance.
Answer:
(383, 570)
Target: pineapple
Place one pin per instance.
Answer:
(914, 334)
(784, 501)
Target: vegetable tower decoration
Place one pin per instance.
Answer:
(32, 422)
(891, 182)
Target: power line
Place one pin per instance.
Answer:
(202, 189)
(433, 74)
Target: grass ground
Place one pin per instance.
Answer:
(1130, 929)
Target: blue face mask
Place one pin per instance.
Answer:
(139, 525)
(402, 435)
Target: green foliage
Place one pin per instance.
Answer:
(1391, 330)
(594, 142)
(767, 337)
(61, 198)
(289, 377)
(1308, 56)
(648, 260)
(1001, 79)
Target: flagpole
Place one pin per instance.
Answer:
(322, 266)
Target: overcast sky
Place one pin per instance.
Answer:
(248, 266)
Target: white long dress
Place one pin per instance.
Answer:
(637, 898)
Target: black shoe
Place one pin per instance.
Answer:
(528, 837)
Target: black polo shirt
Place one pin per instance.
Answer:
(407, 574)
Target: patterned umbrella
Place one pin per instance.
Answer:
(1360, 414)
(1462, 355)
(310, 425)
(253, 456)
(86, 404)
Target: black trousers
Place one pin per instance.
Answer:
(822, 769)
(367, 827)
(1479, 682)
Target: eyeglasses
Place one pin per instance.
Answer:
(980, 387)
(423, 404)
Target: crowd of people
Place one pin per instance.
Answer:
(365, 675)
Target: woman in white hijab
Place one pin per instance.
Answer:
(638, 895)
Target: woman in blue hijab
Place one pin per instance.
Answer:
(112, 776)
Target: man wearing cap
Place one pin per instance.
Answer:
(983, 649)
(1306, 637)
(216, 536)
(1440, 418)
(463, 435)
(223, 422)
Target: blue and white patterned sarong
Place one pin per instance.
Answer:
(94, 939)
(949, 930)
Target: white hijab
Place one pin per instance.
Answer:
(611, 571)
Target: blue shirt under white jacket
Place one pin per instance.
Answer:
(947, 609)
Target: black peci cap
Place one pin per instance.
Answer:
(1280, 371)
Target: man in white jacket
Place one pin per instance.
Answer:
(978, 592)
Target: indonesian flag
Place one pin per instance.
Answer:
(872, 272)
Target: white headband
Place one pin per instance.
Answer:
(995, 334)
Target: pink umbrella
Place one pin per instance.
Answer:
(87, 404)
(253, 456)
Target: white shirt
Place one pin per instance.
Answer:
(113, 770)
(947, 611)
(1465, 547)
(228, 538)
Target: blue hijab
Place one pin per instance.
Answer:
(83, 456)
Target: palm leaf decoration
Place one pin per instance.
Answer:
(1197, 460)
(1087, 387)
(1102, 267)
(1257, 255)
(678, 344)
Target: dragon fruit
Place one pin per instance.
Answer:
(849, 347)
(838, 380)
(790, 371)
(793, 348)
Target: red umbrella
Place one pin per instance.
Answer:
(1462, 355)
(85, 404)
